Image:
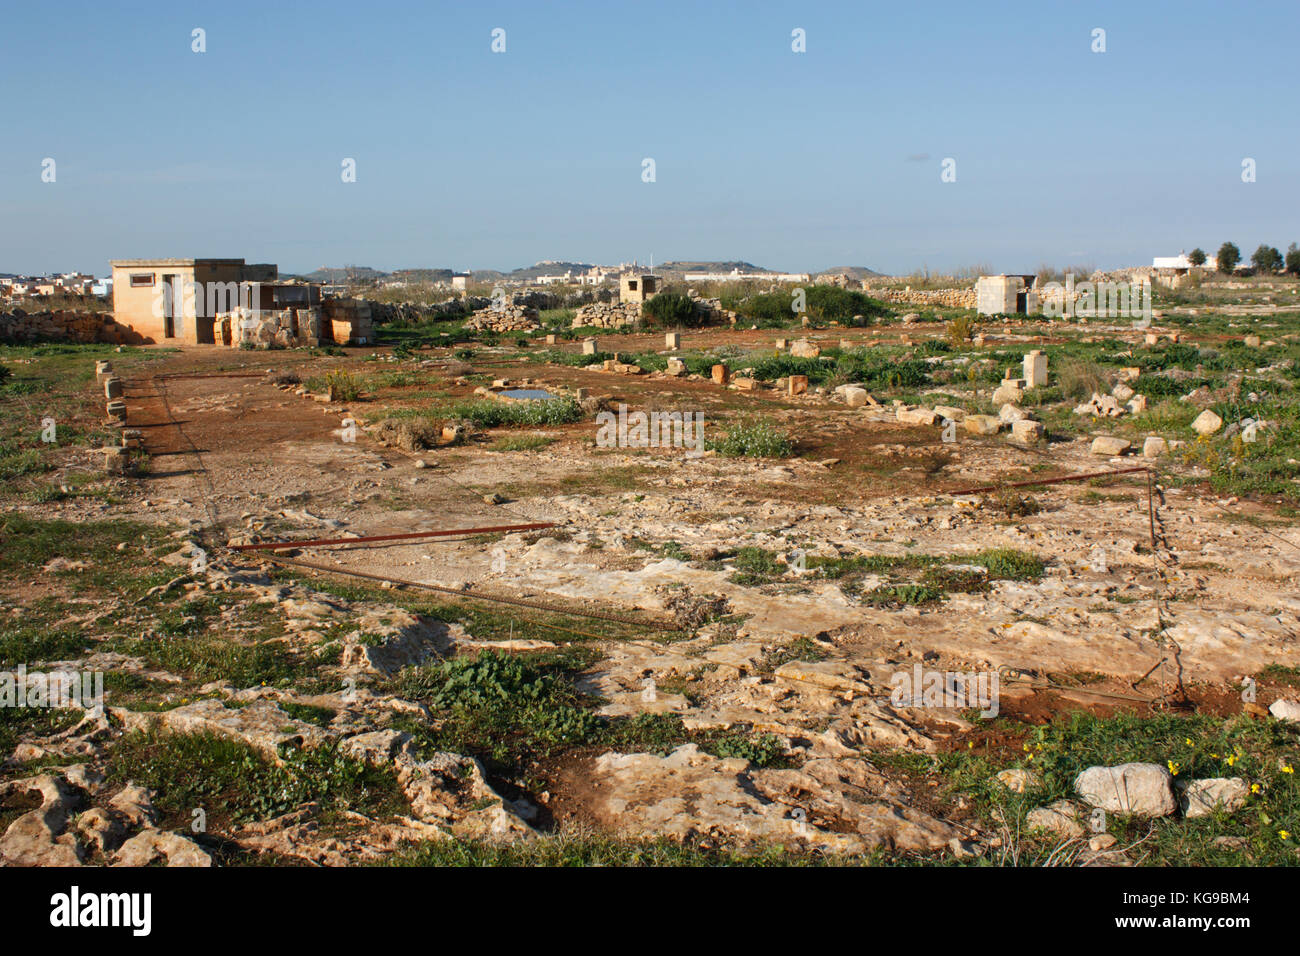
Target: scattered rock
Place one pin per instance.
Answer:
(981, 424)
(1018, 781)
(1139, 789)
(1110, 447)
(155, 846)
(1060, 818)
(1288, 710)
(1200, 798)
(1207, 423)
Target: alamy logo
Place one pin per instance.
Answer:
(1105, 300)
(210, 299)
(73, 909)
(58, 690)
(926, 688)
(651, 430)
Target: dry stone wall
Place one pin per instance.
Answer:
(507, 318)
(945, 298)
(608, 315)
(65, 326)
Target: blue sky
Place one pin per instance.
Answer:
(472, 159)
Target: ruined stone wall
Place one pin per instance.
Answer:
(614, 315)
(65, 326)
(608, 315)
(506, 318)
(946, 298)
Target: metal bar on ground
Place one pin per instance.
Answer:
(1047, 481)
(479, 596)
(322, 542)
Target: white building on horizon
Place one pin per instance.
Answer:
(735, 275)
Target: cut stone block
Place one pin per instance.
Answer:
(1154, 447)
(1035, 369)
(855, 397)
(115, 458)
(916, 416)
(1026, 432)
(981, 424)
(1110, 447)
(1008, 391)
(1207, 423)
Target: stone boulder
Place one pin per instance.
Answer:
(982, 424)
(1199, 798)
(1207, 423)
(1287, 710)
(159, 846)
(1108, 446)
(1138, 789)
(915, 416)
(1060, 818)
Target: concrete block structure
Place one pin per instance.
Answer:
(1006, 295)
(1035, 369)
(634, 287)
(176, 300)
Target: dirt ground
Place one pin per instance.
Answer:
(231, 450)
(1114, 619)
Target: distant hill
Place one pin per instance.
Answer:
(685, 265)
(672, 269)
(548, 268)
(858, 272)
(421, 275)
(357, 273)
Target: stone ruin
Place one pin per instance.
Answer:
(608, 315)
(507, 318)
(65, 326)
(615, 315)
(335, 321)
(946, 298)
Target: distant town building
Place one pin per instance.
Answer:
(566, 279)
(1181, 263)
(735, 275)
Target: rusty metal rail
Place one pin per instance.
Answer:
(654, 625)
(1049, 481)
(407, 536)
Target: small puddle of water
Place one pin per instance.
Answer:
(539, 394)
